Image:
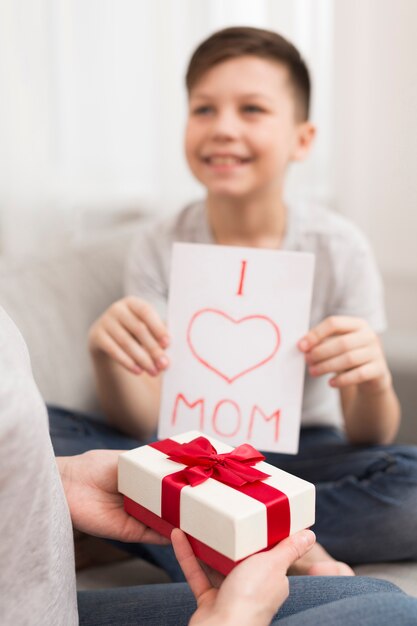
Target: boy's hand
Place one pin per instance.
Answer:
(349, 348)
(132, 333)
(254, 589)
(95, 504)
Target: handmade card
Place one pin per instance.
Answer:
(235, 316)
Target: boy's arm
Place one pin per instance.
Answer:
(129, 401)
(127, 345)
(370, 417)
(349, 349)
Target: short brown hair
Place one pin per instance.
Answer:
(231, 43)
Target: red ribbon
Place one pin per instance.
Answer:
(233, 469)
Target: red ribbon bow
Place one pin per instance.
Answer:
(202, 461)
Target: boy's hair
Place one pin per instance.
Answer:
(239, 41)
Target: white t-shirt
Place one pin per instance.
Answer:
(37, 572)
(347, 281)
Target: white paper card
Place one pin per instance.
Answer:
(235, 316)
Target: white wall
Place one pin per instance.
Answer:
(92, 108)
(93, 105)
(375, 148)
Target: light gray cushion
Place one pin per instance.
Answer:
(54, 301)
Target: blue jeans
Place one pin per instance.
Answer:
(366, 508)
(313, 601)
(366, 495)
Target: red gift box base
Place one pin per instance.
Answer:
(213, 558)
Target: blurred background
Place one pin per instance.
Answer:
(92, 110)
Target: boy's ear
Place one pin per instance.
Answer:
(305, 135)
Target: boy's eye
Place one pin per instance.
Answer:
(202, 110)
(252, 108)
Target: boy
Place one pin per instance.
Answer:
(249, 95)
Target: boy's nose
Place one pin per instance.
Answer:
(225, 126)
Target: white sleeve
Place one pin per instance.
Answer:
(147, 268)
(360, 292)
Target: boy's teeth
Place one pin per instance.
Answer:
(225, 160)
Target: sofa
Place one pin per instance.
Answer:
(54, 299)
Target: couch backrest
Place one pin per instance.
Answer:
(54, 301)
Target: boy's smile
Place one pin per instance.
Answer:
(242, 128)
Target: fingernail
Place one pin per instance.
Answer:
(308, 537)
(137, 370)
(303, 344)
(165, 341)
(162, 362)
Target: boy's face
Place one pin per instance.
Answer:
(242, 129)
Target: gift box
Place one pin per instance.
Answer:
(228, 501)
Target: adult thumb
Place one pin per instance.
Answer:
(293, 548)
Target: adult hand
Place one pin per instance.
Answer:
(252, 592)
(131, 332)
(348, 348)
(96, 507)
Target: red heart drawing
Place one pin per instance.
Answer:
(228, 336)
